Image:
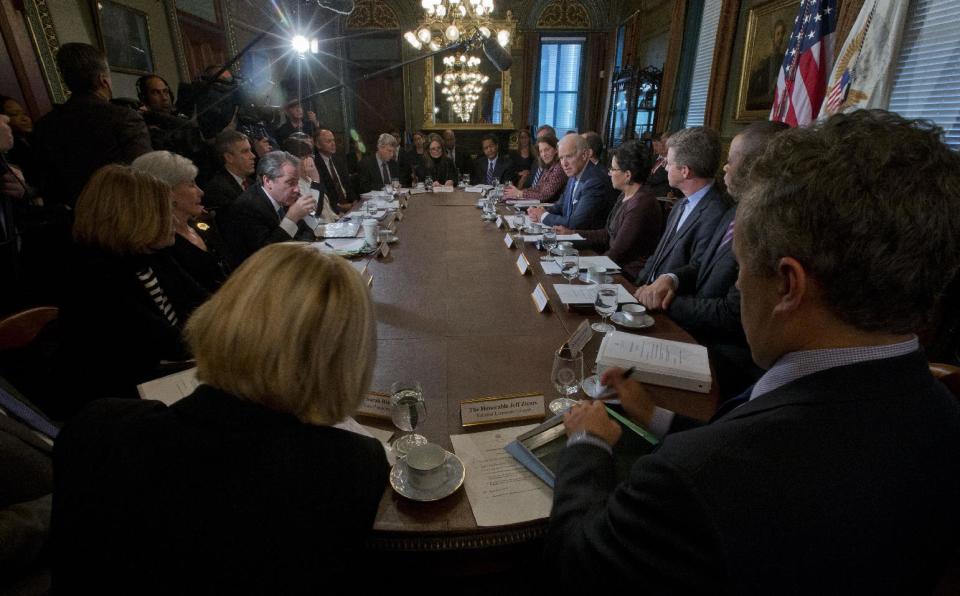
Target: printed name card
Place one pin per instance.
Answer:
(581, 337)
(504, 408)
(523, 265)
(499, 221)
(508, 240)
(540, 299)
(399, 216)
(375, 405)
(384, 249)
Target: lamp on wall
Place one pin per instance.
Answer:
(462, 83)
(447, 22)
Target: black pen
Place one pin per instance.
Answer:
(613, 394)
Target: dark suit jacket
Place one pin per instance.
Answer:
(340, 164)
(679, 247)
(707, 303)
(220, 191)
(370, 177)
(441, 171)
(505, 171)
(589, 209)
(842, 482)
(113, 335)
(461, 160)
(252, 224)
(78, 137)
(657, 181)
(630, 234)
(214, 494)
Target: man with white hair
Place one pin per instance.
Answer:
(271, 210)
(586, 199)
(379, 170)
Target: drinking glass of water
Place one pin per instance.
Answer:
(465, 180)
(605, 305)
(428, 183)
(395, 185)
(566, 375)
(549, 239)
(408, 410)
(570, 264)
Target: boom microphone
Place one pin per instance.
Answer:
(496, 54)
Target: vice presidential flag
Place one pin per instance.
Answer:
(802, 81)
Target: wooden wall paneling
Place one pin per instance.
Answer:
(722, 56)
(672, 65)
(23, 63)
(531, 66)
(595, 85)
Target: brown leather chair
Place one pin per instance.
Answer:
(21, 328)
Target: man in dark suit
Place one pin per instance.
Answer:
(596, 149)
(271, 211)
(26, 484)
(693, 155)
(333, 172)
(702, 296)
(379, 170)
(234, 177)
(836, 473)
(657, 180)
(461, 159)
(493, 168)
(78, 137)
(586, 200)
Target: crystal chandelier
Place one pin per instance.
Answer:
(447, 22)
(462, 83)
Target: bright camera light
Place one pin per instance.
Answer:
(301, 44)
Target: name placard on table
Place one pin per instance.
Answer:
(523, 265)
(499, 221)
(508, 240)
(502, 408)
(375, 405)
(540, 299)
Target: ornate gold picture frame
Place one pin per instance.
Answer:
(768, 32)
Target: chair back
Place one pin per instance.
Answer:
(20, 329)
(949, 375)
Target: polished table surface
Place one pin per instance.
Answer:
(454, 313)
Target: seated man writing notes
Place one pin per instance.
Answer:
(836, 473)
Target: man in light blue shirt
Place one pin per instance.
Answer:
(837, 472)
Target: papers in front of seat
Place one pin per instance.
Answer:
(525, 203)
(574, 294)
(171, 388)
(385, 204)
(500, 490)
(560, 237)
(340, 246)
(477, 188)
(345, 228)
(657, 361)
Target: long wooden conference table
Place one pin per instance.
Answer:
(454, 312)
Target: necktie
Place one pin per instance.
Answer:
(728, 235)
(337, 186)
(244, 184)
(25, 414)
(682, 206)
(667, 238)
(385, 173)
(536, 177)
(573, 196)
(490, 179)
(280, 213)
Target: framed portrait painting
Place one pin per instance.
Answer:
(768, 33)
(124, 36)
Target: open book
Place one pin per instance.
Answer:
(657, 361)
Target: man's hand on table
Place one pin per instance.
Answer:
(535, 213)
(562, 230)
(634, 398)
(592, 418)
(658, 295)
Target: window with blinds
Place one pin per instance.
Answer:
(700, 83)
(560, 60)
(926, 83)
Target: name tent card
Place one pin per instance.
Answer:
(581, 337)
(540, 299)
(523, 265)
(502, 408)
(499, 221)
(384, 249)
(399, 216)
(376, 405)
(508, 241)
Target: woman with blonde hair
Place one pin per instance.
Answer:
(244, 486)
(124, 299)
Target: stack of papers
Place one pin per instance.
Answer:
(345, 228)
(341, 246)
(525, 202)
(477, 188)
(550, 266)
(573, 294)
(375, 194)
(657, 361)
(560, 237)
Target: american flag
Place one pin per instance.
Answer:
(802, 81)
(839, 91)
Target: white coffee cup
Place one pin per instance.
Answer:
(425, 466)
(370, 231)
(633, 312)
